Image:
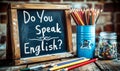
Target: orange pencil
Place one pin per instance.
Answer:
(80, 12)
(83, 13)
(93, 15)
(79, 18)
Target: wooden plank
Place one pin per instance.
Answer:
(42, 58)
(108, 65)
(69, 31)
(9, 50)
(89, 67)
(15, 35)
(39, 6)
(12, 68)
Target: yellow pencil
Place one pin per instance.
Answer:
(79, 18)
(66, 65)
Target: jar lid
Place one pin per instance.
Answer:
(108, 35)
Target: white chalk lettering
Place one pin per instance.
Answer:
(25, 48)
(41, 47)
(32, 50)
(48, 29)
(40, 17)
(25, 13)
(58, 29)
(54, 46)
(50, 47)
(37, 28)
(44, 30)
(45, 18)
(48, 18)
(46, 42)
(59, 40)
(33, 18)
(46, 47)
(37, 49)
(30, 18)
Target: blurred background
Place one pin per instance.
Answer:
(108, 21)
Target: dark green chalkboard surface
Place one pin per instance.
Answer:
(41, 32)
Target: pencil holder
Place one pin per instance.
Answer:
(85, 41)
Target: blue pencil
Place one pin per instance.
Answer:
(69, 61)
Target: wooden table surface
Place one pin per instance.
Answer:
(99, 65)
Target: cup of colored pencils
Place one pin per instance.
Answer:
(85, 16)
(85, 30)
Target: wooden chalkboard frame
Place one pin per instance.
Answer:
(15, 33)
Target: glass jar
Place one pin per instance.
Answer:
(107, 46)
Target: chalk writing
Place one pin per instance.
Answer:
(41, 32)
(44, 30)
(28, 17)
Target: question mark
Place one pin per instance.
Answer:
(60, 43)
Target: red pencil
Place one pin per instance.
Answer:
(81, 64)
(75, 19)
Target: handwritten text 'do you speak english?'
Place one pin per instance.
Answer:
(46, 42)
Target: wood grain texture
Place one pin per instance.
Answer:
(12, 68)
(109, 65)
(89, 67)
(15, 35)
(69, 31)
(39, 6)
(42, 58)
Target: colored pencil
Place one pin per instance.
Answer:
(74, 18)
(80, 64)
(69, 61)
(93, 16)
(90, 18)
(85, 16)
(66, 65)
(40, 67)
(36, 67)
(79, 18)
(98, 16)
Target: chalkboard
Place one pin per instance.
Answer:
(41, 32)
